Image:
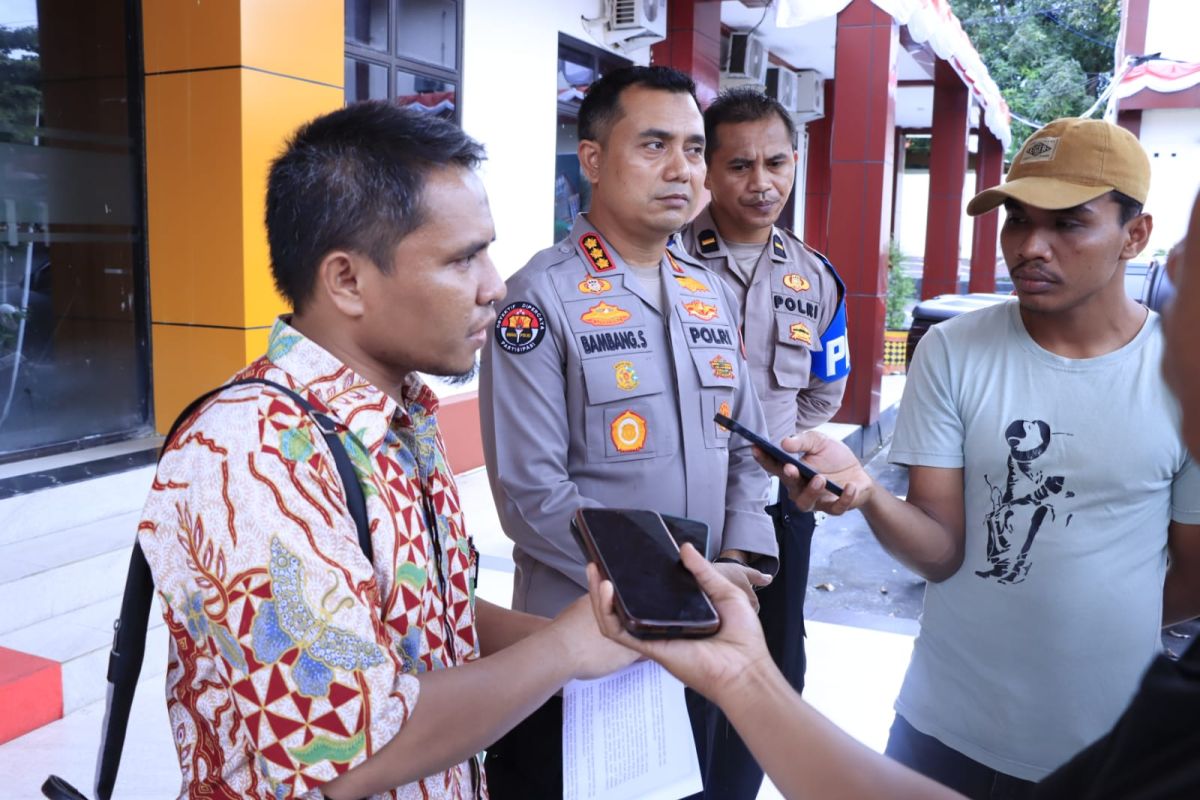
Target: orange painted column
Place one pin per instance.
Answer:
(860, 208)
(693, 44)
(989, 164)
(226, 83)
(947, 172)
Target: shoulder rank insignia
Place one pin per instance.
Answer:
(777, 248)
(596, 253)
(708, 241)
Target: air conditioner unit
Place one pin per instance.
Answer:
(633, 24)
(782, 85)
(810, 96)
(746, 58)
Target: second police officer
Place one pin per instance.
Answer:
(792, 307)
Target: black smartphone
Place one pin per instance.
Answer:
(775, 452)
(655, 595)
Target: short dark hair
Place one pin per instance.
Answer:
(601, 107)
(353, 179)
(743, 104)
(1130, 208)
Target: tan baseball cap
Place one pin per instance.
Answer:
(1069, 162)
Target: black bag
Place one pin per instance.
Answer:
(1152, 753)
(129, 630)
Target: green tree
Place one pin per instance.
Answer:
(1050, 58)
(20, 77)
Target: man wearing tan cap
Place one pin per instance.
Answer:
(1048, 483)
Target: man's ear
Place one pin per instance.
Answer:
(1137, 236)
(340, 279)
(591, 153)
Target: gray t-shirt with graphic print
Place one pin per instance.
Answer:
(1072, 471)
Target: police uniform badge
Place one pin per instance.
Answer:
(707, 240)
(797, 283)
(690, 284)
(799, 332)
(701, 310)
(520, 327)
(594, 285)
(722, 368)
(593, 248)
(777, 247)
(604, 315)
(628, 432)
(626, 375)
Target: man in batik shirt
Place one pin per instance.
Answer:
(297, 668)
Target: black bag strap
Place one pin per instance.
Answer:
(129, 630)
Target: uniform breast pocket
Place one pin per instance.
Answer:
(627, 415)
(795, 340)
(717, 371)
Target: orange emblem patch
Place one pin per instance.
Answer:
(701, 310)
(674, 265)
(800, 333)
(725, 411)
(796, 282)
(627, 377)
(596, 253)
(591, 285)
(722, 368)
(692, 285)
(628, 432)
(603, 315)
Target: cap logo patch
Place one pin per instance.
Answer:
(796, 282)
(799, 332)
(520, 327)
(604, 315)
(701, 310)
(596, 253)
(722, 368)
(628, 432)
(1043, 149)
(591, 285)
(627, 378)
(692, 285)
(708, 242)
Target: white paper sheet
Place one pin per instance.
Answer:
(627, 737)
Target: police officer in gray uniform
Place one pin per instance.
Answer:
(794, 325)
(609, 360)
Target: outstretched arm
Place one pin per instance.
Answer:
(805, 754)
(925, 532)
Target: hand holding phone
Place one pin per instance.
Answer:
(655, 596)
(775, 452)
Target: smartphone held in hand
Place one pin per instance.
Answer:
(655, 595)
(774, 451)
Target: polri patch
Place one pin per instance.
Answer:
(592, 246)
(520, 327)
(708, 242)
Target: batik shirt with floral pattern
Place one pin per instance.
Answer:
(291, 658)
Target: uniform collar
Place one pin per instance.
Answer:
(710, 244)
(357, 403)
